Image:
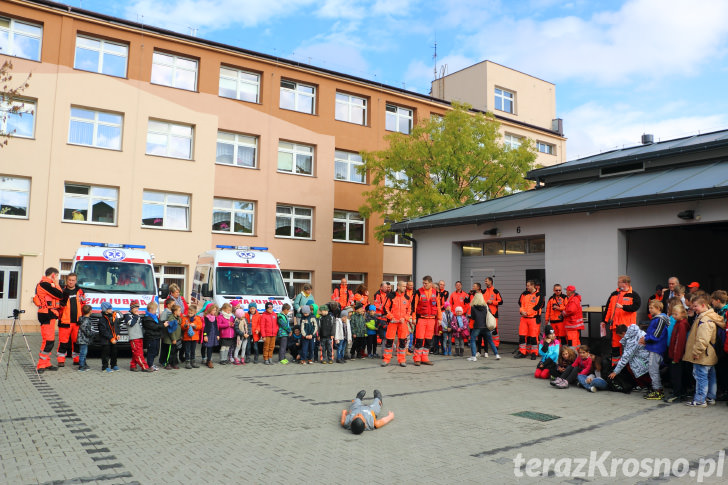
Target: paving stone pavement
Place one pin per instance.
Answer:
(453, 423)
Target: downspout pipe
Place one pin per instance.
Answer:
(414, 253)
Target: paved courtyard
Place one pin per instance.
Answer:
(454, 423)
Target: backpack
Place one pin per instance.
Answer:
(719, 344)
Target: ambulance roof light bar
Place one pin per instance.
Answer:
(112, 245)
(244, 248)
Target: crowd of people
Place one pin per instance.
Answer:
(684, 345)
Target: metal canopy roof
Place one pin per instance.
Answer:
(647, 188)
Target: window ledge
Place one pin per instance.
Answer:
(233, 233)
(167, 156)
(348, 242)
(99, 148)
(294, 238)
(232, 165)
(293, 173)
(175, 87)
(90, 223)
(166, 228)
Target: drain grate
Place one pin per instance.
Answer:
(536, 416)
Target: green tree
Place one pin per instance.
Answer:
(10, 104)
(446, 162)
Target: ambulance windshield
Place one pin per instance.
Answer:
(114, 277)
(249, 281)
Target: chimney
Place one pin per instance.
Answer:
(647, 139)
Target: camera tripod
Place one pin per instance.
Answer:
(16, 322)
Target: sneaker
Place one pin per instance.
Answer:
(497, 356)
(556, 381)
(710, 402)
(477, 354)
(115, 368)
(155, 367)
(384, 364)
(696, 404)
(331, 361)
(134, 369)
(310, 362)
(402, 364)
(81, 368)
(472, 359)
(188, 365)
(284, 361)
(655, 396)
(592, 389)
(672, 398)
(485, 355)
(519, 356)
(61, 364)
(108, 370)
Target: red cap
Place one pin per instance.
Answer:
(571, 288)
(694, 284)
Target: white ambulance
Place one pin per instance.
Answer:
(117, 273)
(248, 274)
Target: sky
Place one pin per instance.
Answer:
(621, 67)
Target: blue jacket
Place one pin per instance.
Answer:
(656, 334)
(552, 353)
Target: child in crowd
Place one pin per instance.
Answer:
(253, 321)
(172, 336)
(679, 370)
(85, 336)
(549, 352)
(342, 336)
(268, 331)
(133, 323)
(655, 341)
(460, 330)
(357, 321)
(566, 359)
(226, 327)
(210, 335)
(309, 327)
(284, 331)
(595, 381)
(191, 330)
(108, 330)
(152, 334)
(294, 344)
(446, 327)
(581, 366)
(699, 350)
(327, 327)
(241, 334)
(371, 324)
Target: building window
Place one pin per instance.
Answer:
(174, 71)
(294, 222)
(237, 84)
(472, 249)
(544, 147)
(237, 150)
(296, 278)
(20, 39)
(90, 204)
(396, 239)
(101, 56)
(348, 227)
(14, 197)
(169, 140)
(347, 165)
(504, 100)
(233, 216)
(511, 142)
(98, 129)
(167, 274)
(298, 97)
(295, 158)
(64, 267)
(399, 119)
(351, 109)
(17, 118)
(165, 210)
(516, 246)
(493, 248)
(397, 180)
(352, 279)
(537, 245)
(396, 278)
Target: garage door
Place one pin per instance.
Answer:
(509, 274)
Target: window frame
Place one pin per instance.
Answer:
(500, 94)
(170, 124)
(351, 282)
(293, 217)
(349, 105)
(350, 165)
(511, 141)
(397, 241)
(348, 222)
(295, 152)
(297, 283)
(395, 278)
(165, 204)
(236, 146)
(90, 198)
(398, 116)
(16, 191)
(238, 82)
(161, 276)
(96, 123)
(296, 94)
(10, 29)
(551, 148)
(5, 113)
(101, 52)
(232, 211)
(174, 67)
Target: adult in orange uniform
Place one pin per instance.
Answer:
(554, 312)
(458, 297)
(573, 317)
(622, 307)
(426, 312)
(529, 303)
(493, 299)
(399, 313)
(343, 294)
(73, 300)
(381, 297)
(48, 294)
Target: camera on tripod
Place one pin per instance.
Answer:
(16, 313)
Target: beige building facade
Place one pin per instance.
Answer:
(141, 136)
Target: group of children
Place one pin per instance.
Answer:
(682, 346)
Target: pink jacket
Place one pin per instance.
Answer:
(584, 364)
(226, 326)
(268, 324)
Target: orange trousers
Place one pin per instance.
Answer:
(48, 336)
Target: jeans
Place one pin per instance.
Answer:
(253, 348)
(241, 348)
(706, 385)
(152, 351)
(446, 342)
(307, 349)
(341, 349)
(654, 370)
(327, 349)
(282, 347)
(597, 382)
(190, 346)
(83, 350)
(488, 339)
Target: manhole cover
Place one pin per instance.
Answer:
(536, 416)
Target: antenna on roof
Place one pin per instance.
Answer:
(434, 56)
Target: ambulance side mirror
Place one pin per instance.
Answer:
(205, 290)
(164, 291)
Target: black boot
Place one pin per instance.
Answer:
(360, 395)
(377, 395)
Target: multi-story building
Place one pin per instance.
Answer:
(133, 134)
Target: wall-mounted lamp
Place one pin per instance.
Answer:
(491, 232)
(686, 215)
